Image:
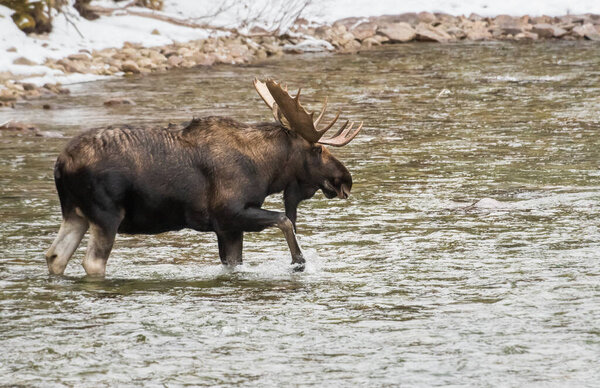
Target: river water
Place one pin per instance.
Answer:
(409, 282)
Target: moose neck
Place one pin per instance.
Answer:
(287, 162)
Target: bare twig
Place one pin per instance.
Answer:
(157, 16)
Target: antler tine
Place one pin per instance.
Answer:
(264, 93)
(343, 138)
(341, 130)
(322, 131)
(318, 120)
(299, 120)
(289, 113)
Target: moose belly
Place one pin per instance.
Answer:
(142, 217)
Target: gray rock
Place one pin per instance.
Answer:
(79, 57)
(475, 17)
(24, 61)
(428, 33)
(130, 66)
(370, 42)
(545, 30)
(347, 23)
(174, 61)
(73, 66)
(456, 32)
(426, 17)
(587, 31)
(409, 17)
(364, 30)
(478, 31)
(508, 24)
(397, 32)
(526, 35)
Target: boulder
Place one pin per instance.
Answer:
(409, 17)
(456, 32)
(545, 30)
(56, 88)
(8, 95)
(426, 17)
(130, 66)
(239, 50)
(73, 66)
(157, 57)
(446, 18)
(28, 86)
(209, 59)
(544, 19)
(79, 57)
(428, 33)
(24, 61)
(145, 63)
(475, 17)
(478, 31)
(322, 32)
(343, 39)
(364, 30)
(526, 35)
(370, 42)
(347, 23)
(587, 31)
(509, 24)
(174, 61)
(397, 32)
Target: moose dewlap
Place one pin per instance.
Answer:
(212, 175)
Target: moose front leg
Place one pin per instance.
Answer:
(253, 219)
(230, 247)
(291, 199)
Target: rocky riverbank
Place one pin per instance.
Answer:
(347, 36)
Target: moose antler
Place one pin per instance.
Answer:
(289, 113)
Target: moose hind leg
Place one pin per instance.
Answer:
(230, 247)
(69, 237)
(100, 244)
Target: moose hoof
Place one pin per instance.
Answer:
(298, 264)
(298, 268)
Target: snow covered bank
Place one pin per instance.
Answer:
(32, 59)
(332, 10)
(75, 34)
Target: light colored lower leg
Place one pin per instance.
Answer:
(98, 250)
(287, 227)
(69, 236)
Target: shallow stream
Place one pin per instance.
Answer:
(409, 282)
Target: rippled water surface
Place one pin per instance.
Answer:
(406, 283)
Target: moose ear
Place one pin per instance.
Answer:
(317, 149)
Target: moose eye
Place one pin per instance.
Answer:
(317, 150)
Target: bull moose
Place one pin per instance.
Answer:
(211, 175)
